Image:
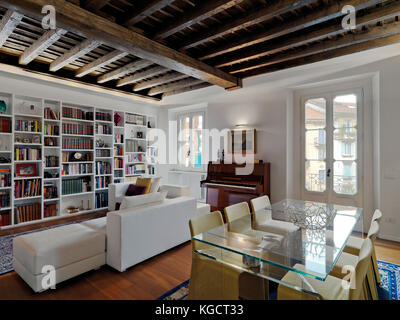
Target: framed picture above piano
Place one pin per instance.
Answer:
(242, 141)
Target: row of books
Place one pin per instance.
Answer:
(72, 186)
(135, 169)
(101, 200)
(118, 138)
(118, 151)
(5, 178)
(5, 125)
(103, 167)
(81, 129)
(50, 210)
(77, 168)
(133, 146)
(151, 170)
(28, 213)
(118, 163)
(50, 114)
(134, 119)
(51, 130)
(102, 182)
(50, 192)
(103, 153)
(151, 152)
(52, 161)
(73, 143)
(102, 116)
(27, 153)
(136, 157)
(28, 125)
(69, 157)
(27, 188)
(5, 219)
(5, 199)
(74, 113)
(103, 129)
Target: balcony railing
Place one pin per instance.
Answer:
(342, 184)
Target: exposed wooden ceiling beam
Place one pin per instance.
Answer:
(141, 75)
(10, 21)
(191, 88)
(347, 40)
(247, 54)
(89, 25)
(95, 4)
(151, 7)
(368, 45)
(174, 86)
(158, 81)
(101, 62)
(318, 16)
(205, 9)
(75, 53)
(248, 19)
(44, 42)
(120, 72)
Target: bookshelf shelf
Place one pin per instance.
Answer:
(106, 168)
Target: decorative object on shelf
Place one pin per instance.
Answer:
(18, 139)
(311, 216)
(26, 170)
(5, 160)
(36, 139)
(139, 135)
(26, 140)
(76, 156)
(140, 149)
(72, 209)
(117, 119)
(100, 143)
(148, 124)
(3, 106)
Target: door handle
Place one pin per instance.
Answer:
(328, 173)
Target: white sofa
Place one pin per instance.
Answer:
(122, 239)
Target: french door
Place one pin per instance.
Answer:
(332, 147)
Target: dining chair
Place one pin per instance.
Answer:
(347, 259)
(353, 246)
(212, 280)
(236, 211)
(332, 288)
(260, 203)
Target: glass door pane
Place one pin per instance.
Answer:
(315, 144)
(197, 144)
(345, 144)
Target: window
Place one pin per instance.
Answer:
(346, 149)
(190, 140)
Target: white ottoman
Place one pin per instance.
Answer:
(99, 225)
(203, 208)
(72, 250)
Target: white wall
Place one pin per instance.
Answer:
(263, 101)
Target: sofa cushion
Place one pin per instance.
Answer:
(155, 184)
(175, 191)
(135, 190)
(58, 247)
(145, 182)
(135, 201)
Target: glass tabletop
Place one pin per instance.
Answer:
(279, 238)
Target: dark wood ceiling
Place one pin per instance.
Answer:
(157, 48)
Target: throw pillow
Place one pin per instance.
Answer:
(155, 184)
(144, 182)
(135, 190)
(144, 199)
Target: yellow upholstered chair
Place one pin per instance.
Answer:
(212, 280)
(236, 211)
(260, 203)
(347, 259)
(353, 246)
(332, 288)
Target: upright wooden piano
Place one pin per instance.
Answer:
(224, 187)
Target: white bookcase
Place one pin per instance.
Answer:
(62, 161)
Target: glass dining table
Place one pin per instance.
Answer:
(272, 241)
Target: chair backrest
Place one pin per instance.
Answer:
(236, 211)
(260, 203)
(204, 223)
(364, 259)
(373, 231)
(377, 215)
